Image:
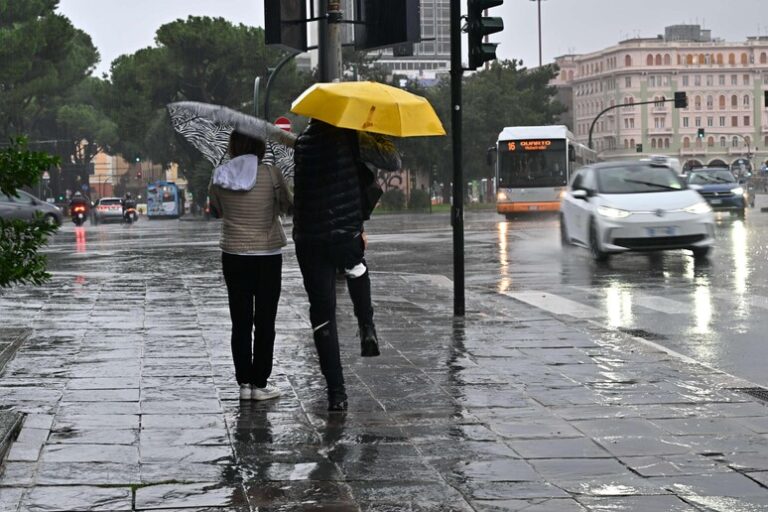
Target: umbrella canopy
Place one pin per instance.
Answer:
(207, 127)
(370, 107)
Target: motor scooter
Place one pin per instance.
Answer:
(129, 215)
(78, 214)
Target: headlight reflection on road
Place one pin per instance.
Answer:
(504, 280)
(702, 308)
(618, 304)
(740, 265)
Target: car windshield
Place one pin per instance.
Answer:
(109, 201)
(637, 179)
(711, 176)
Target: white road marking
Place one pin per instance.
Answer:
(556, 304)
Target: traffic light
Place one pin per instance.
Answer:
(285, 23)
(479, 26)
(138, 175)
(700, 133)
(681, 100)
(392, 23)
(639, 148)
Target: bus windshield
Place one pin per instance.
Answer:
(532, 163)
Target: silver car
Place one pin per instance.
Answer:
(25, 206)
(108, 209)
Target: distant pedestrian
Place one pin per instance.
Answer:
(249, 198)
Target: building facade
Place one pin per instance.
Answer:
(724, 83)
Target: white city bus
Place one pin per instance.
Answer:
(534, 165)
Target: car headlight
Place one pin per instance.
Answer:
(613, 213)
(699, 208)
(738, 191)
(501, 196)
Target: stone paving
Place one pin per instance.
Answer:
(131, 404)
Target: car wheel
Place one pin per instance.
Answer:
(594, 244)
(741, 213)
(700, 252)
(565, 239)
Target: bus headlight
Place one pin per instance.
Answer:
(501, 196)
(613, 213)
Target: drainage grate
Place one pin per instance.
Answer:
(759, 393)
(642, 333)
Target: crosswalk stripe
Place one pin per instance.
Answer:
(556, 304)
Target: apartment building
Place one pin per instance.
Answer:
(725, 83)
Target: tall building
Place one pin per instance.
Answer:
(725, 84)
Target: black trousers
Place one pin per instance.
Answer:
(253, 289)
(319, 262)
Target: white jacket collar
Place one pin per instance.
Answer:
(237, 174)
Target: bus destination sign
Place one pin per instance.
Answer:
(529, 145)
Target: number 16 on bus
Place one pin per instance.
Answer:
(534, 165)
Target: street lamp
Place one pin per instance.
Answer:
(539, 9)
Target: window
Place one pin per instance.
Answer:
(626, 144)
(626, 123)
(685, 122)
(710, 102)
(658, 59)
(722, 142)
(721, 102)
(631, 122)
(649, 60)
(734, 121)
(652, 81)
(627, 61)
(731, 59)
(667, 59)
(735, 142)
(734, 80)
(628, 81)
(763, 58)
(721, 121)
(734, 101)
(721, 80)
(631, 143)
(744, 59)
(719, 58)
(697, 102)
(710, 142)
(746, 120)
(686, 142)
(653, 143)
(659, 122)
(745, 101)
(710, 121)
(746, 79)
(697, 122)
(710, 80)
(697, 80)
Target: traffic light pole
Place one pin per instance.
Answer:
(594, 121)
(457, 208)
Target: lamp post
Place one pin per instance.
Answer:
(538, 2)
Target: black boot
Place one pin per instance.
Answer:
(337, 399)
(369, 341)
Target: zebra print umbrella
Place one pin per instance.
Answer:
(207, 127)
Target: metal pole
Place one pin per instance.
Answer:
(270, 80)
(539, 4)
(256, 83)
(457, 208)
(335, 18)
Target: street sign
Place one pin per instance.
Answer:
(283, 123)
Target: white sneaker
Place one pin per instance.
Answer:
(245, 392)
(266, 393)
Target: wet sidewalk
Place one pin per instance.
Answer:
(131, 405)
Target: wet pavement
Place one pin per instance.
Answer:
(128, 388)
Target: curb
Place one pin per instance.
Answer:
(10, 341)
(10, 425)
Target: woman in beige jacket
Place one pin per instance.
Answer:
(249, 198)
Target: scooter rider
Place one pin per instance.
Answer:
(128, 204)
(79, 199)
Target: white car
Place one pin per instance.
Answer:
(634, 206)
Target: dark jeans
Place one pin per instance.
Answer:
(319, 262)
(253, 288)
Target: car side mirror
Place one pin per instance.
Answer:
(580, 194)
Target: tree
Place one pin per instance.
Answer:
(198, 59)
(20, 241)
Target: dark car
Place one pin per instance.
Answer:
(722, 190)
(25, 206)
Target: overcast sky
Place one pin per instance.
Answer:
(568, 26)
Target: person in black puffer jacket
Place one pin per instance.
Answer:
(327, 229)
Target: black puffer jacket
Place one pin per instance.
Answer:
(327, 200)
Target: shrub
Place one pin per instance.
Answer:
(393, 200)
(419, 200)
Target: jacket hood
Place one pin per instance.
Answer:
(238, 174)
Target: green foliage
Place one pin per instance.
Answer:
(393, 200)
(20, 242)
(419, 200)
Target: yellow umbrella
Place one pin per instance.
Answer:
(370, 107)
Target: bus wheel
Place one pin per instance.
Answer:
(564, 238)
(594, 246)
